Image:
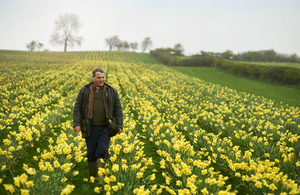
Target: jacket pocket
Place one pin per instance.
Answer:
(86, 125)
(113, 128)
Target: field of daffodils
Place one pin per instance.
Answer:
(181, 135)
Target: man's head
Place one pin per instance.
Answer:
(98, 77)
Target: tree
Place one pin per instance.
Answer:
(125, 45)
(146, 44)
(120, 45)
(39, 46)
(178, 49)
(66, 27)
(34, 45)
(203, 53)
(134, 46)
(250, 56)
(227, 54)
(31, 46)
(294, 58)
(112, 42)
(169, 50)
(270, 55)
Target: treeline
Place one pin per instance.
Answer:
(177, 50)
(114, 42)
(285, 75)
(67, 25)
(34, 45)
(165, 57)
(258, 56)
(267, 55)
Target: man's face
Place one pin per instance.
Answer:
(99, 79)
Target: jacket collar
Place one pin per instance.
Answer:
(88, 85)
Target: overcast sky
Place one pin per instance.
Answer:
(208, 25)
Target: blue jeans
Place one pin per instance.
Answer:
(97, 143)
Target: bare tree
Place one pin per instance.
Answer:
(65, 28)
(112, 42)
(134, 46)
(146, 44)
(31, 46)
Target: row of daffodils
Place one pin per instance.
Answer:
(208, 139)
(28, 117)
(259, 153)
(254, 143)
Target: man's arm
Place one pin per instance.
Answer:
(77, 112)
(120, 130)
(77, 129)
(118, 112)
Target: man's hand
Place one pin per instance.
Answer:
(120, 130)
(77, 129)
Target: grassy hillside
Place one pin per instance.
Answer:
(280, 93)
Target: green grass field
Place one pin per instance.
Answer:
(284, 64)
(286, 94)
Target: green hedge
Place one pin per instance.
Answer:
(285, 75)
(171, 60)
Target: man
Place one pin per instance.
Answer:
(94, 102)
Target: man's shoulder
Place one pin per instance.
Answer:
(86, 87)
(109, 86)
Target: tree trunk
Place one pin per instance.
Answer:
(66, 42)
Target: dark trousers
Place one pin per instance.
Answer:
(97, 143)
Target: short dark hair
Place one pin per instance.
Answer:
(97, 70)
